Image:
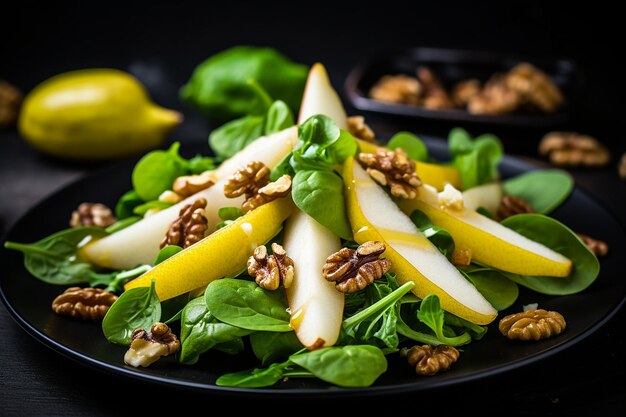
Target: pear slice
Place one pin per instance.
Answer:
(321, 98)
(434, 174)
(224, 253)
(374, 216)
(139, 243)
(487, 196)
(316, 306)
(490, 243)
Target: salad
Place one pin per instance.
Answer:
(323, 253)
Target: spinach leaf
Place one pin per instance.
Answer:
(278, 117)
(136, 308)
(156, 172)
(345, 366)
(220, 88)
(320, 195)
(560, 238)
(201, 331)
(172, 309)
(431, 314)
(477, 332)
(122, 224)
(271, 346)
(117, 284)
(322, 140)
(244, 304)
(53, 259)
(493, 285)
(142, 209)
(411, 144)
(166, 252)
(231, 137)
(126, 204)
(255, 378)
(228, 215)
(199, 164)
(476, 160)
(438, 236)
(544, 190)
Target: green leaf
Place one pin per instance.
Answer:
(166, 252)
(156, 172)
(134, 309)
(201, 331)
(346, 366)
(544, 190)
(493, 285)
(246, 305)
(438, 236)
(320, 195)
(122, 224)
(560, 238)
(477, 161)
(126, 204)
(431, 314)
(199, 164)
(411, 144)
(53, 258)
(271, 346)
(255, 378)
(220, 86)
(230, 138)
(278, 117)
(230, 213)
(142, 209)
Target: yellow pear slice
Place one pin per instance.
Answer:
(436, 175)
(487, 196)
(139, 243)
(374, 216)
(224, 253)
(490, 243)
(321, 98)
(316, 306)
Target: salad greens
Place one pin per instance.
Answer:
(411, 144)
(544, 190)
(476, 159)
(220, 86)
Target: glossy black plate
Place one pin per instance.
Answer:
(452, 66)
(28, 300)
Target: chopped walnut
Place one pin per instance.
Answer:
(535, 87)
(359, 129)
(598, 247)
(392, 168)
(188, 185)
(353, 270)
(573, 149)
(532, 325)
(10, 101)
(147, 347)
(270, 271)
(461, 256)
(495, 98)
(83, 303)
(511, 205)
(434, 94)
(190, 226)
(429, 360)
(621, 167)
(252, 181)
(92, 214)
(400, 89)
(464, 91)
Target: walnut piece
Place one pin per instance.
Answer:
(495, 98)
(353, 270)
(270, 271)
(92, 214)
(532, 325)
(535, 87)
(359, 129)
(434, 94)
(512, 205)
(190, 226)
(598, 247)
(10, 101)
(429, 360)
(400, 89)
(188, 185)
(252, 180)
(83, 303)
(464, 91)
(392, 168)
(147, 347)
(573, 149)
(462, 256)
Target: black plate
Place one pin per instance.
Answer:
(28, 300)
(451, 66)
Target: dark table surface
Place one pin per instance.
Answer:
(34, 380)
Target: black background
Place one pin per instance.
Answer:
(161, 43)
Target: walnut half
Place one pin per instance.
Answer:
(532, 325)
(270, 271)
(393, 169)
(84, 303)
(429, 360)
(353, 270)
(147, 347)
